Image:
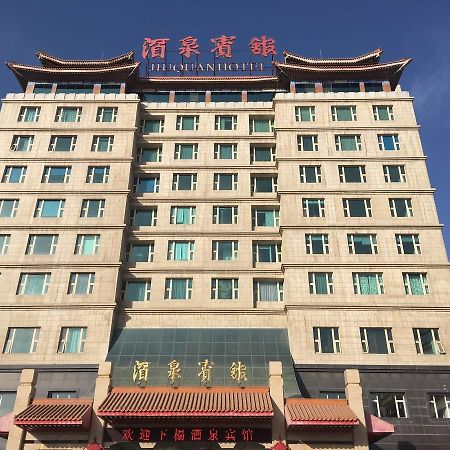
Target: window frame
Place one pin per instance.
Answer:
(54, 143)
(254, 119)
(59, 115)
(46, 174)
(395, 141)
(311, 113)
(306, 203)
(63, 337)
(215, 288)
(18, 138)
(347, 208)
(74, 280)
(135, 211)
(310, 246)
(171, 249)
(374, 399)
(423, 276)
(301, 142)
(275, 252)
(147, 290)
(101, 113)
(191, 214)
(376, 114)
(401, 170)
(215, 250)
(176, 181)
(415, 241)
(436, 340)
(85, 206)
(141, 151)
(23, 114)
(4, 243)
(96, 143)
(257, 289)
(312, 281)
(256, 210)
(357, 139)
(217, 180)
(217, 151)
(23, 282)
(216, 214)
(137, 182)
(11, 335)
(432, 403)
(305, 172)
(362, 173)
(180, 122)
(218, 122)
(131, 245)
(31, 243)
(373, 243)
(143, 123)
(335, 114)
(177, 151)
(79, 244)
(40, 205)
(318, 338)
(357, 285)
(389, 341)
(14, 207)
(168, 288)
(8, 172)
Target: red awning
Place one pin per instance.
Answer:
(377, 428)
(51, 414)
(311, 413)
(186, 402)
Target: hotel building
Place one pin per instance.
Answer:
(219, 261)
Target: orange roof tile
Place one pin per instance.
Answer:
(53, 61)
(367, 58)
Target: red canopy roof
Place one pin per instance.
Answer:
(377, 428)
(368, 58)
(53, 61)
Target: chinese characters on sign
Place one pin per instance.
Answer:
(140, 371)
(174, 371)
(238, 372)
(205, 371)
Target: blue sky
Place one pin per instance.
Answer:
(403, 28)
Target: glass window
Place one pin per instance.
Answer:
(264, 184)
(136, 291)
(62, 394)
(41, 244)
(225, 250)
(262, 153)
(225, 151)
(149, 154)
(226, 123)
(7, 402)
(388, 404)
(186, 151)
(362, 244)
(4, 242)
(106, 114)
(408, 244)
(265, 217)
(14, 174)
(72, 340)
(305, 113)
(373, 86)
(394, 174)
(139, 252)
(326, 340)
(352, 174)
(225, 182)
(81, 283)
(102, 143)
(145, 185)
(149, 126)
(29, 114)
(49, 208)
(21, 340)
(33, 284)
(22, 143)
(268, 290)
(81, 88)
(224, 288)
(225, 214)
(348, 142)
(266, 252)
(388, 142)
(182, 215)
(401, 207)
(87, 244)
(263, 96)
(383, 112)
(320, 283)
(415, 283)
(261, 125)
(310, 174)
(56, 174)
(427, 341)
(343, 113)
(313, 207)
(377, 340)
(221, 96)
(439, 406)
(308, 143)
(8, 208)
(317, 244)
(357, 207)
(184, 182)
(180, 250)
(178, 288)
(336, 395)
(304, 88)
(341, 87)
(187, 123)
(62, 143)
(97, 174)
(42, 88)
(66, 114)
(155, 97)
(196, 97)
(110, 89)
(143, 217)
(365, 283)
(92, 208)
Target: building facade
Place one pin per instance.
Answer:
(256, 261)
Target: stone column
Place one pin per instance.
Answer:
(25, 393)
(102, 386)
(277, 394)
(386, 86)
(30, 88)
(353, 393)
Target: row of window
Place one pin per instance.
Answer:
(67, 114)
(62, 143)
(343, 113)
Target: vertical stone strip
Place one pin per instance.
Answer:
(277, 395)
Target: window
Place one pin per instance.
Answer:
(394, 174)
(182, 215)
(310, 174)
(341, 87)
(317, 244)
(305, 113)
(65, 114)
(186, 151)
(377, 340)
(336, 395)
(62, 394)
(41, 244)
(320, 283)
(362, 244)
(439, 406)
(8, 208)
(72, 340)
(225, 182)
(62, 143)
(33, 284)
(401, 207)
(22, 143)
(7, 402)
(348, 142)
(178, 288)
(260, 96)
(225, 250)
(4, 242)
(150, 126)
(268, 290)
(56, 174)
(326, 340)
(142, 185)
(149, 154)
(29, 114)
(143, 217)
(222, 96)
(265, 217)
(388, 142)
(21, 340)
(264, 184)
(225, 215)
(102, 143)
(415, 283)
(79, 88)
(196, 97)
(383, 112)
(408, 244)
(313, 207)
(139, 252)
(265, 252)
(180, 250)
(352, 174)
(184, 182)
(427, 341)
(14, 174)
(366, 283)
(225, 151)
(226, 123)
(357, 207)
(224, 288)
(155, 97)
(187, 123)
(87, 244)
(81, 283)
(374, 86)
(49, 208)
(343, 113)
(106, 114)
(388, 404)
(262, 153)
(43, 88)
(136, 291)
(304, 88)
(308, 143)
(97, 174)
(261, 125)
(92, 208)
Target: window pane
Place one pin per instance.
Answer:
(23, 339)
(377, 341)
(225, 251)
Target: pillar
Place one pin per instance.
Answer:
(245, 96)
(208, 97)
(102, 386)
(171, 96)
(277, 395)
(362, 86)
(292, 87)
(353, 393)
(25, 393)
(318, 88)
(386, 86)
(30, 88)
(97, 88)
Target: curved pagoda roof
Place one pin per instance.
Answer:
(368, 58)
(53, 61)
